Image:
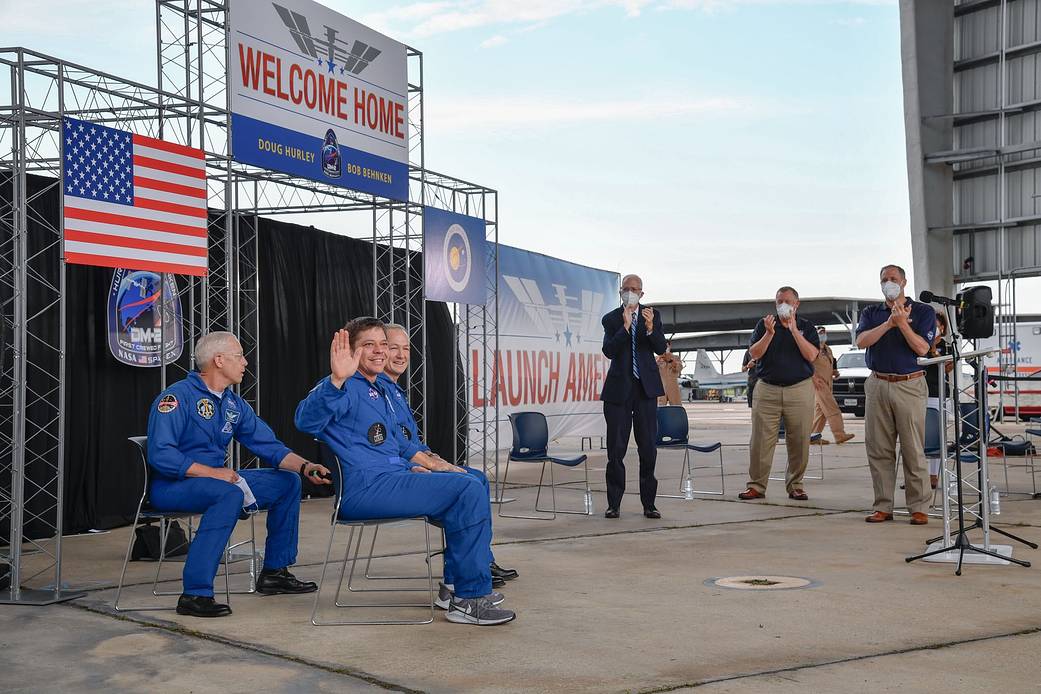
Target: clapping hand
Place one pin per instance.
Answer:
(770, 323)
(627, 318)
(900, 315)
(343, 361)
(648, 318)
(790, 322)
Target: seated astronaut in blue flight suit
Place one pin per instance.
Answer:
(399, 354)
(352, 411)
(190, 426)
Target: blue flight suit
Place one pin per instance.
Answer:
(358, 422)
(413, 444)
(189, 424)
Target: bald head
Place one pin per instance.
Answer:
(631, 290)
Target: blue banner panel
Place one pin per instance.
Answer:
(550, 338)
(320, 159)
(454, 257)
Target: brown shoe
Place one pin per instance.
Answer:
(843, 438)
(798, 495)
(824, 442)
(934, 480)
(919, 519)
(879, 517)
(750, 494)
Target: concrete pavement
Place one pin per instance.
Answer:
(602, 605)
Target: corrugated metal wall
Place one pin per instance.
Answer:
(978, 53)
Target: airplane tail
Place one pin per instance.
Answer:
(703, 367)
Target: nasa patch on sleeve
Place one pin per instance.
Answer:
(377, 434)
(167, 404)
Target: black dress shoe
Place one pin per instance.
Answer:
(611, 513)
(498, 581)
(201, 606)
(504, 574)
(652, 513)
(278, 581)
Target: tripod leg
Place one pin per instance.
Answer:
(980, 550)
(930, 553)
(999, 531)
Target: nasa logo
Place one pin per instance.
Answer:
(456, 255)
(377, 434)
(205, 408)
(373, 395)
(167, 404)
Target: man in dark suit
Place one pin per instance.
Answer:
(632, 337)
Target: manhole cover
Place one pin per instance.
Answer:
(761, 582)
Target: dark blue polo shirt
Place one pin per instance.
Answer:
(891, 354)
(783, 364)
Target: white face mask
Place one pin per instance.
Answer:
(784, 310)
(822, 337)
(890, 290)
(630, 298)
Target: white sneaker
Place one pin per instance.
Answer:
(445, 593)
(478, 611)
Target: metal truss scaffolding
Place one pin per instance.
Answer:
(190, 106)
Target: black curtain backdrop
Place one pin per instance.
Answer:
(311, 283)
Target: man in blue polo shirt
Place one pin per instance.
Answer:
(895, 334)
(784, 347)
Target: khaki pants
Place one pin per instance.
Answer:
(769, 404)
(827, 410)
(897, 411)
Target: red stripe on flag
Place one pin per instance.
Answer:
(132, 222)
(126, 242)
(132, 264)
(149, 162)
(168, 146)
(171, 207)
(154, 184)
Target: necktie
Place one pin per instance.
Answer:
(632, 335)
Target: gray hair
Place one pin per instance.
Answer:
(396, 326)
(210, 345)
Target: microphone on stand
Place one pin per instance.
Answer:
(929, 298)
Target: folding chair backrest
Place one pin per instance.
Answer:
(141, 444)
(530, 435)
(673, 427)
(332, 461)
(932, 429)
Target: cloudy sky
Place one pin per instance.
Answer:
(719, 148)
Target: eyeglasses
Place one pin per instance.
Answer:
(236, 355)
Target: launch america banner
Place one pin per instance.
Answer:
(318, 95)
(550, 339)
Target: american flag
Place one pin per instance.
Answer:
(132, 201)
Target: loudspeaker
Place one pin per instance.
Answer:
(975, 313)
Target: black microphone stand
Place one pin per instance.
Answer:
(960, 542)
